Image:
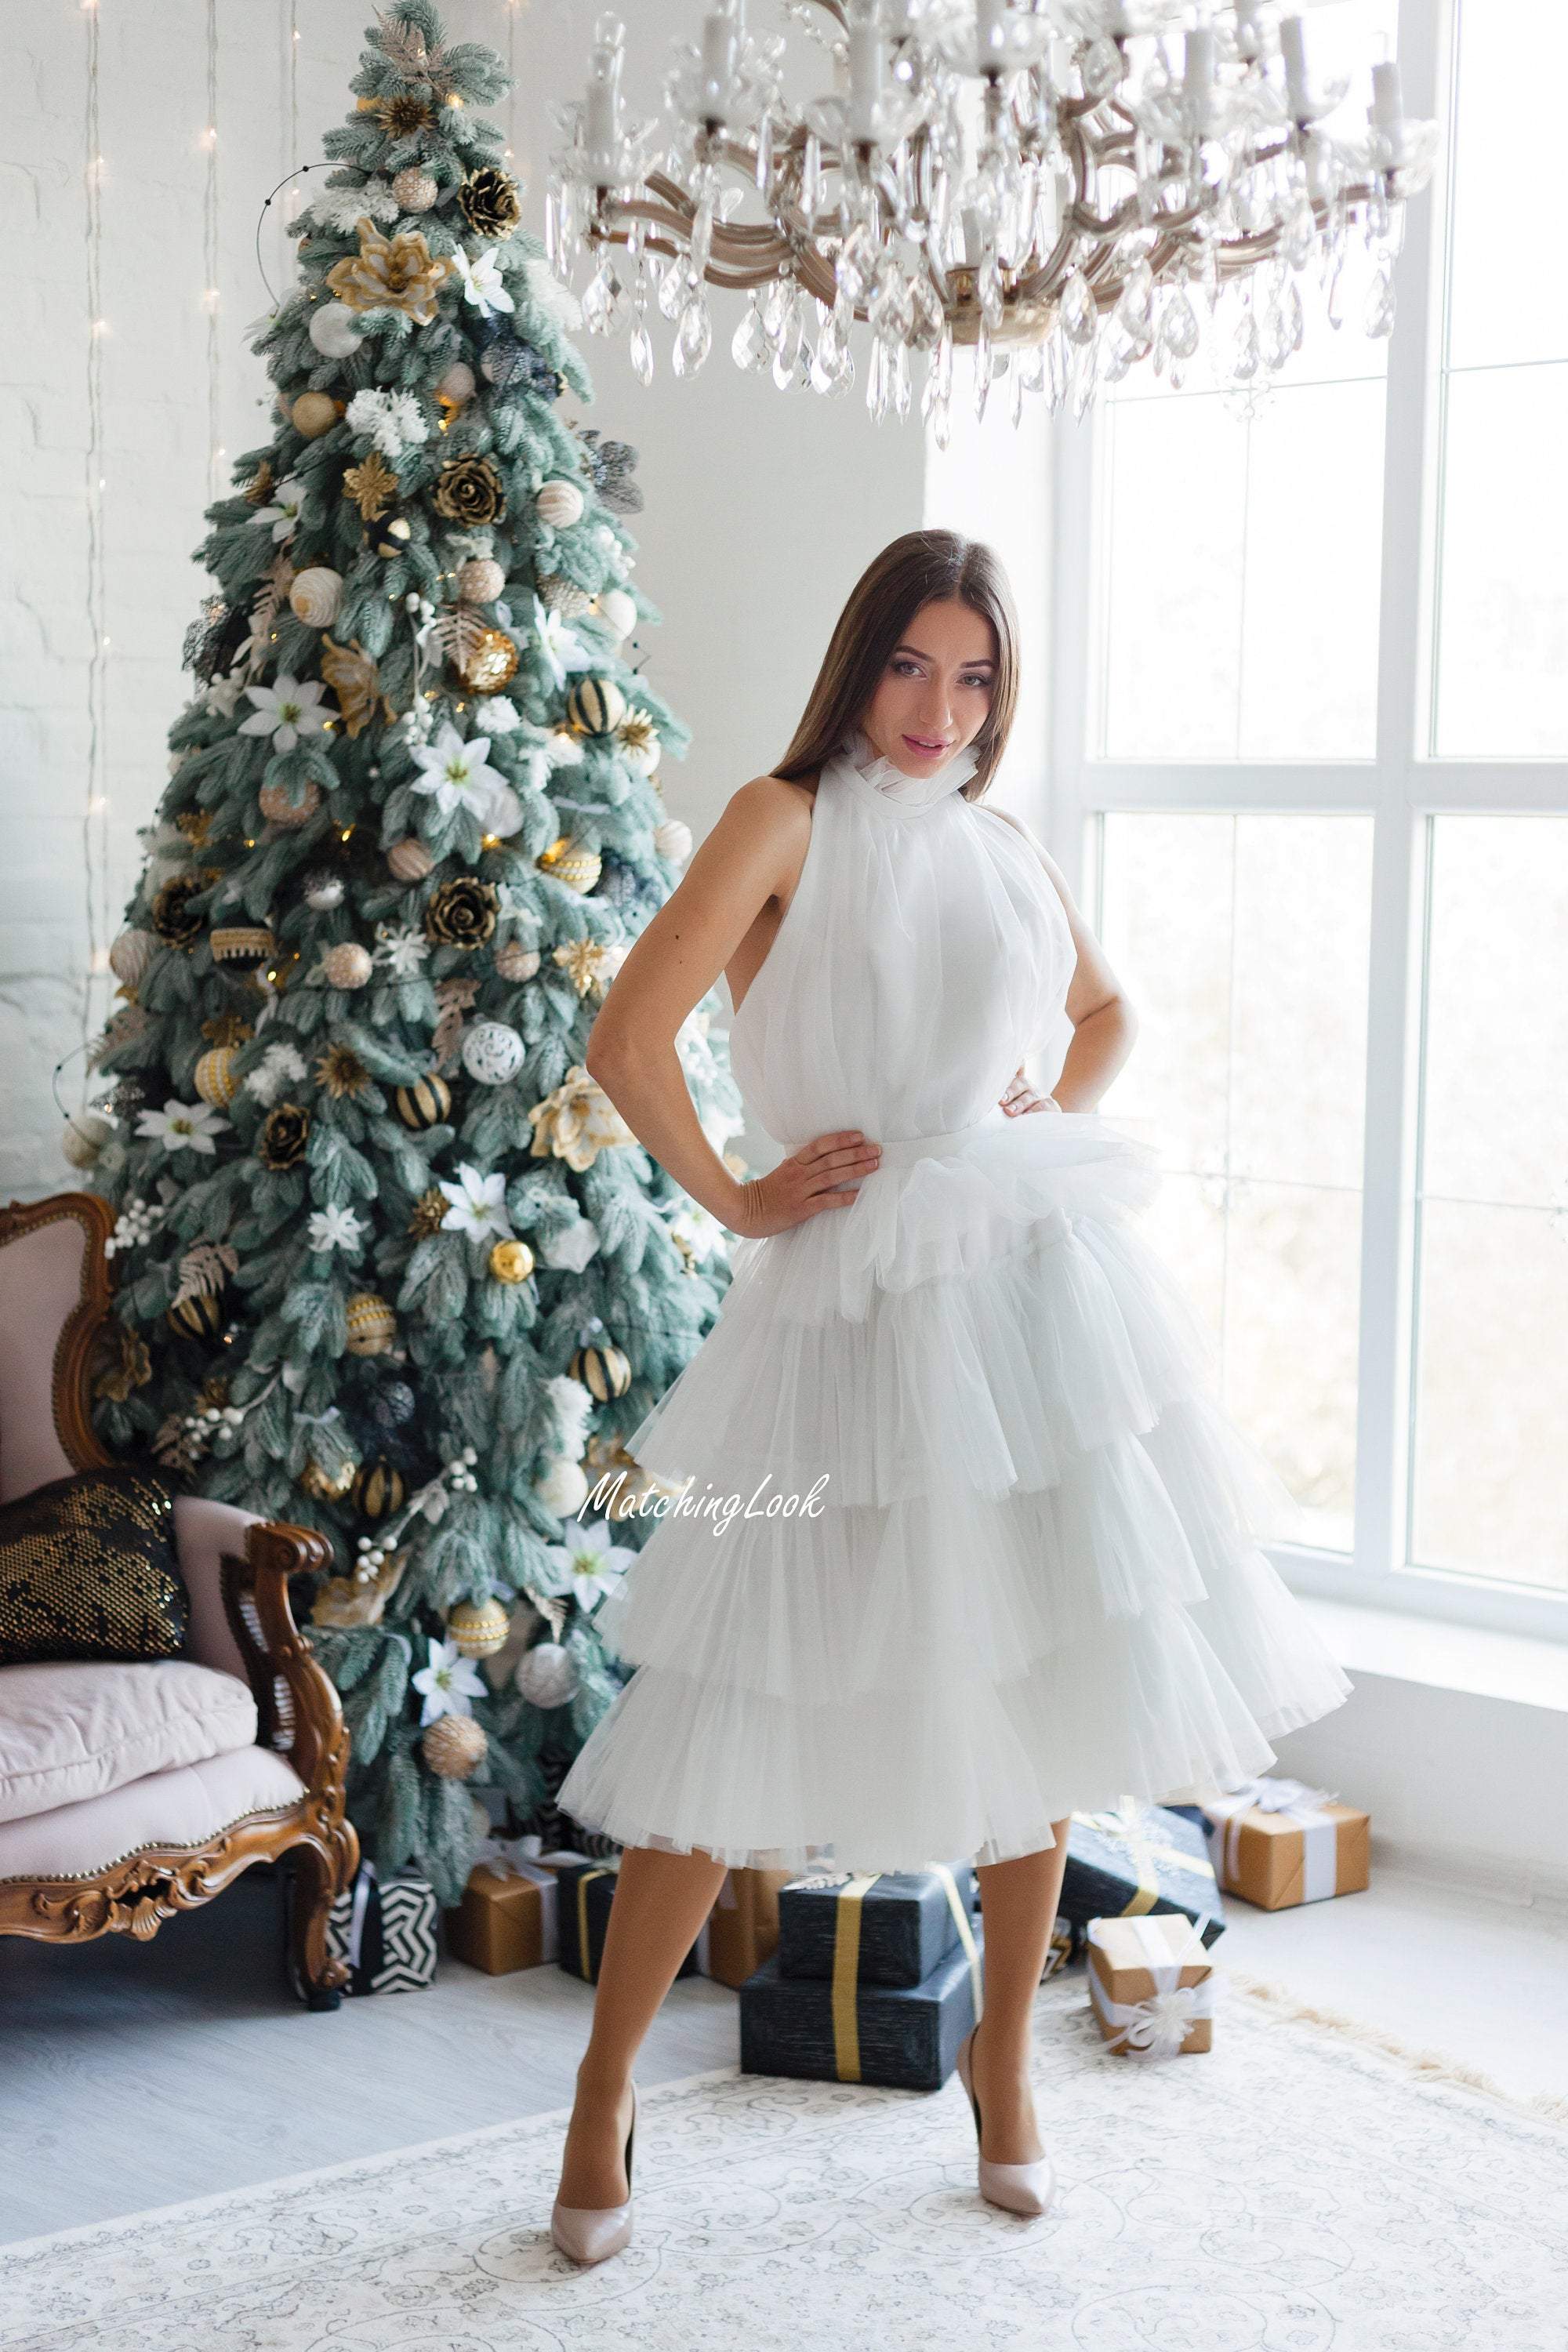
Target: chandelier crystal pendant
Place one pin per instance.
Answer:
(1068, 188)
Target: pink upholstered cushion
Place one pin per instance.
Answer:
(74, 1730)
(40, 1283)
(183, 1807)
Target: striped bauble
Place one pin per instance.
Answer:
(426, 1103)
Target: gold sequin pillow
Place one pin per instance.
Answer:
(88, 1570)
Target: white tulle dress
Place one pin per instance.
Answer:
(1021, 1574)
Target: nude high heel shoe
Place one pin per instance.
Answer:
(591, 2233)
(1021, 2188)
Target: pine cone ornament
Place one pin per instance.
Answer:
(489, 201)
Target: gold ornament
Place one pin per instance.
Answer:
(315, 596)
(372, 485)
(259, 489)
(512, 1262)
(408, 860)
(414, 189)
(428, 1214)
(215, 1081)
(639, 738)
(463, 913)
(315, 413)
(227, 1029)
(399, 116)
(562, 595)
(391, 273)
(468, 489)
(454, 1745)
(279, 807)
(354, 679)
(480, 580)
(595, 706)
(123, 1363)
(348, 965)
(284, 1133)
(174, 917)
(341, 1073)
(578, 1121)
(378, 1489)
(572, 862)
(198, 1317)
(603, 1370)
(585, 960)
(489, 201)
(372, 1324)
(326, 1485)
(426, 1103)
(242, 947)
(514, 961)
(490, 662)
(478, 1628)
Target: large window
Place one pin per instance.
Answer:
(1310, 765)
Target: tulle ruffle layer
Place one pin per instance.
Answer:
(895, 1779)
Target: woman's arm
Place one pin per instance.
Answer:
(754, 852)
(1103, 1023)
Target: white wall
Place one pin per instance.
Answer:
(761, 509)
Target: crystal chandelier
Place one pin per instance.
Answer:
(1068, 186)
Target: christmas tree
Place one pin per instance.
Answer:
(389, 1263)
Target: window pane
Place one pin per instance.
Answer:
(1502, 639)
(1243, 942)
(1509, 294)
(1491, 1471)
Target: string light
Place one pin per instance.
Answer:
(211, 264)
(95, 808)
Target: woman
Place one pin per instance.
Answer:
(1018, 1577)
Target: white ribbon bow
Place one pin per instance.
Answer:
(1299, 1804)
(1157, 2026)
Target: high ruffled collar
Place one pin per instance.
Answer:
(906, 792)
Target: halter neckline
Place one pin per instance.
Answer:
(892, 788)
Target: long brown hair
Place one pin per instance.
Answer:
(922, 567)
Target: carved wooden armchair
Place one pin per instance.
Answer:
(130, 1791)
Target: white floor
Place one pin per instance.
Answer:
(138, 2075)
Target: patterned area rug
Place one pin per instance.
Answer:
(1305, 2185)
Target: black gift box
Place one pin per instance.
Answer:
(903, 1922)
(1139, 1858)
(385, 1928)
(904, 2036)
(584, 1892)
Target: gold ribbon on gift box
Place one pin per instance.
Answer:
(1142, 1856)
(846, 1962)
(582, 1918)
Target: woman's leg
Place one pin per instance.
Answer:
(1018, 1903)
(661, 1900)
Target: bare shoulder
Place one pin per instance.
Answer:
(1057, 877)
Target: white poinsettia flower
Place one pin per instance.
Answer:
(477, 1205)
(283, 513)
(450, 1684)
(557, 640)
(286, 710)
(334, 1229)
(183, 1127)
(594, 1564)
(457, 775)
(702, 1233)
(482, 283)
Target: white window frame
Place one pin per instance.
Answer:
(1403, 789)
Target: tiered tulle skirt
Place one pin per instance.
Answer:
(967, 1544)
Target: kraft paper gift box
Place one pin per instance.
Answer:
(742, 1928)
(385, 1929)
(1151, 1985)
(1137, 1859)
(507, 1918)
(910, 1919)
(584, 1891)
(839, 2029)
(1276, 1842)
